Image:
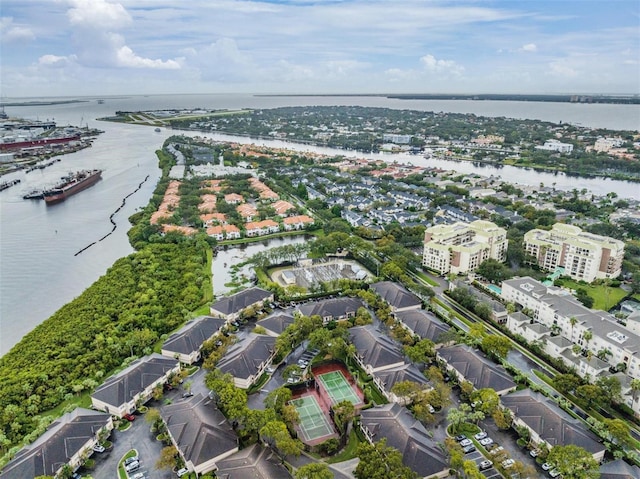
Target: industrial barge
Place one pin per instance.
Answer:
(70, 185)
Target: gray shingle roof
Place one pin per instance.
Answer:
(333, 308)
(423, 323)
(200, 430)
(396, 295)
(276, 323)
(239, 301)
(406, 434)
(190, 337)
(476, 368)
(243, 359)
(549, 421)
(63, 439)
(254, 462)
(619, 469)
(375, 349)
(122, 387)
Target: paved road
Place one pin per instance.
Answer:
(138, 437)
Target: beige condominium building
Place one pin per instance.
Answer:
(584, 256)
(462, 247)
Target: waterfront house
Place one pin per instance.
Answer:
(66, 441)
(121, 393)
(186, 343)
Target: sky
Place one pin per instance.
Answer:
(121, 47)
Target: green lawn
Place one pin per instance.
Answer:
(604, 297)
(350, 450)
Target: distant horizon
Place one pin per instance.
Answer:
(114, 47)
(3, 98)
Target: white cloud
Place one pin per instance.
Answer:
(55, 61)
(434, 65)
(562, 69)
(127, 58)
(529, 47)
(11, 33)
(98, 14)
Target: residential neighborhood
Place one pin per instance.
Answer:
(443, 322)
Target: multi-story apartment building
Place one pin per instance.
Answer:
(462, 247)
(596, 332)
(584, 256)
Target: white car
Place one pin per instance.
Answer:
(554, 473)
(182, 472)
(139, 475)
(466, 442)
(98, 448)
(546, 466)
(485, 465)
(132, 466)
(486, 441)
(480, 435)
(507, 463)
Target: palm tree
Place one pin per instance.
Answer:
(587, 336)
(635, 387)
(573, 321)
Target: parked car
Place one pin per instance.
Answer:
(129, 417)
(182, 472)
(132, 467)
(431, 409)
(98, 448)
(480, 435)
(554, 473)
(466, 442)
(469, 449)
(507, 463)
(138, 475)
(271, 370)
(486, 441)
(496, 451)
(492, 446)
(534, 452)
(546, 466)
(461, 437)
(188, 394)
(129, 460)
(485, 465)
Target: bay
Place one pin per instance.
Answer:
(39, 271)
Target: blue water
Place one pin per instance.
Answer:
(495, 288)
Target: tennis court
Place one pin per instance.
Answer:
(313, 422)
(338, 388)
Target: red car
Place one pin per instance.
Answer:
(129, 417)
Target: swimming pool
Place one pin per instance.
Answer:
(494, 288)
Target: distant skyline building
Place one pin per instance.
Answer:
(462, 247)
(555, 145)
(584, 256)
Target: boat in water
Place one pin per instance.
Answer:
(70, 185)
